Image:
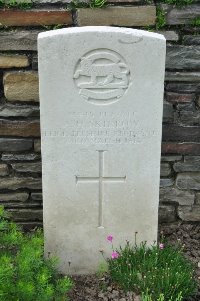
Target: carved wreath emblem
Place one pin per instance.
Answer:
(102, 76)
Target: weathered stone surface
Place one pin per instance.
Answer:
(197, 200)
(171, 158)
(20, 157)
(167, 213)
(35, 62)
(16, 183)
(11, 60)
(188, 181)
(191, 40)
(166, 182)
(189, 213)
(186, 166)
(179, 98)
(190, 106)
(14, 197)
(170, 35)
(176, 16)
(20, 205)
(36, 196)
(18, 40)
(4, 170)
(1, 83)
(165, 169)
(19, 128)
(189, 117)
(170, 194)
(187, 114)
(180, 148)
(37, 145)
(181, 133)
(183, 57)
(121, 16)
(15, 145)
(29, 225)
(16, 110)
(168, 112)
(198, 100)
(35, 17)
(33, 167)
(21, 86)
(183, 76)
(26, 214)
(183, 87)
(192, 159)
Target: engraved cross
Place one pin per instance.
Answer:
(101, 180)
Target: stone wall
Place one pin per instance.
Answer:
(20, 158)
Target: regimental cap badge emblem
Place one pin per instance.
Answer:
(102, 76)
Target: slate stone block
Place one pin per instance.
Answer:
(171, 194)
(180, 148)
(19, 128)
(17, 183)
(183, 57)
(165, 169)
(189, 213)
(117, 15)
(175, 133)
(167, 214)
(21, 86)
(15, 145)
(19, 40)
(33, 167)
(188, 181)
(20, 157)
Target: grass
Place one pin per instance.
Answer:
(196, 22)
(148, 297)
(158, 274)
(160, 18)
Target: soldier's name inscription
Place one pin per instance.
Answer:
(102, 127)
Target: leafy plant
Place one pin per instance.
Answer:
(160, 18)
(74, 4)
(52, 27)
(161, 273)
(98, 3)
(24, 274)
(16, 4)
(91, 4)
(2, 3)
(196, 22)
(102, 269)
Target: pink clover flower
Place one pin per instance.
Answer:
(114, 255)
(110, 238)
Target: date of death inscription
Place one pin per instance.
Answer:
(101, 128)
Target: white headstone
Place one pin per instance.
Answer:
(101, 93)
